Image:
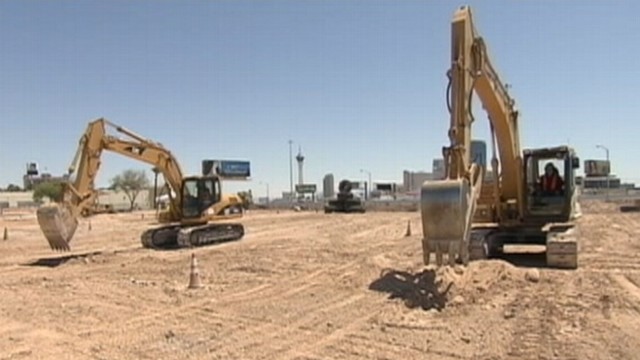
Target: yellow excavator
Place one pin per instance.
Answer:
(473, 213)
(198, 212)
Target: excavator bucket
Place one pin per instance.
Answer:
(58, 225)
(446, 208)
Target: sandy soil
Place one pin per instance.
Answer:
(313, 286)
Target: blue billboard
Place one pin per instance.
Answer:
(235, 168)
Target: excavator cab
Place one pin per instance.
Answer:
(555, 205)
(199, 194)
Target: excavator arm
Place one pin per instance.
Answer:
(59, 222)
(448, 205)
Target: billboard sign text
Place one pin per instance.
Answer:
(306, 188)
(597, 168)
(387, 187)
(229, 169)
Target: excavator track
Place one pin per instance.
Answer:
(561, 245)
(209, 234)
(164, 237)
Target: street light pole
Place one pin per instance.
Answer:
(606, 150)
(368, 192)
(290, 169)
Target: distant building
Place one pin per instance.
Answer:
(438, 168)
(412, 181)
(328, 186)
(33, 177)
(289, 196)
(384, 190)
(479, 152)
(600, 182)
(117, 199)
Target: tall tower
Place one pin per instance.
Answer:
(328, 186)
(300, 160)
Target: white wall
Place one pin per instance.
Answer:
(117, 199)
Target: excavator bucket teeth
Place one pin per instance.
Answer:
(444, 206)
(58, 225)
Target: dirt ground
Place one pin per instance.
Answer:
(313, 286)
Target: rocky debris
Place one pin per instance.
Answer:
(509, 314)
(532, 275)
(457, 300)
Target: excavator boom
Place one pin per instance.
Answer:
(448, 205)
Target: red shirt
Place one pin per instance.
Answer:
(551, 183)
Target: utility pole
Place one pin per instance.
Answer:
(368, 192)
(267, 185)
(606, 150)
(290, 169)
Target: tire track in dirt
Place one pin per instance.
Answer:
(20, 336)
(608, 243)
(166, 255)
(89, 241)
(262, 293)
(614, 262)
(246, 331)
(532, 335)
(302, 284)
(549, 318)
(362, 240)
(229, 298)
(288, 342)
(308, 349)
(257, 292)
(359, 346)
(192, 334)
(629, 286)
(295, 330)
(540, 319)
(364, 342)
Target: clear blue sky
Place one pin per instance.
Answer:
(357, 84)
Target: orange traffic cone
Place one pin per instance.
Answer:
(408, 233)
(89, 226)
(194, 276)
(6, 234)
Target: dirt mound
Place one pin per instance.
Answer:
(437, 288)
(480, 277)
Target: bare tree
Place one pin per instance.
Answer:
(131, 182)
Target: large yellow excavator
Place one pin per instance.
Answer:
(197, 214)
(472, 214)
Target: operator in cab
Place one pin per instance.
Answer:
(551, 184)
(204, 195)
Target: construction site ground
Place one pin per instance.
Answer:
(305, 285)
